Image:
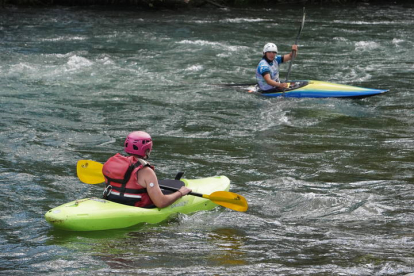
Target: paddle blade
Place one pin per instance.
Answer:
(90, 172)
(229, 200)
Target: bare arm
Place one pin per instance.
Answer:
(148, 179)
(271, 82)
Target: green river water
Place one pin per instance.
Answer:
(329, 182)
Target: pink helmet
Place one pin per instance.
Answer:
(138, 143)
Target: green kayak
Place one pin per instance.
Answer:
(91, 214)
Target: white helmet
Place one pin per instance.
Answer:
(269, 47)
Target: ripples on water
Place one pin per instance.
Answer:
(329, 181)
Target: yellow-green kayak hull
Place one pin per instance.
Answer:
(91, 214)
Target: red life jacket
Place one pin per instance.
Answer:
(121, 178)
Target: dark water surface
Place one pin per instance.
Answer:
(329, 181)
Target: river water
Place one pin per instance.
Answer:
(329, 182)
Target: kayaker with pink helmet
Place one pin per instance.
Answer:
(131, 180)
(267, 72)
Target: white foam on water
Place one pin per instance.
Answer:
(244, 20)
(214, 45)
(397, 41)
(366, 45)
(66, 38)
(195, 68)
(364, 22)
(78, 62)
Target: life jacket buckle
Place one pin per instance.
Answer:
(107, 192)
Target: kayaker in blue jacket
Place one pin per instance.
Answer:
(267, 72)
(131, 180)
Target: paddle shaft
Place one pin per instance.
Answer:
(236, 84)
(296, 43)
(176, 189)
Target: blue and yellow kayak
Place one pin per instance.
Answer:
(91, 214)
(320, 89)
